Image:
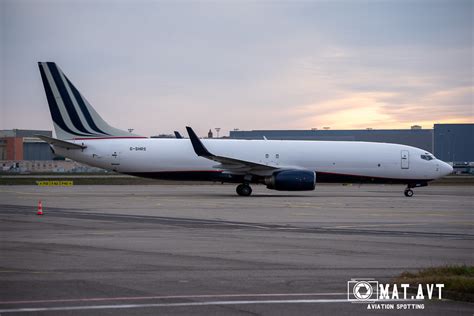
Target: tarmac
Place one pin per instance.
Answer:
(201, 249)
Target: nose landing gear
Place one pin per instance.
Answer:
(243, 189)
(409, 192)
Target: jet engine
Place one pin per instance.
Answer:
(292, 180)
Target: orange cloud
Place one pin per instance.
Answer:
(388, 110)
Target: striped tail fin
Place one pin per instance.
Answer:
(73, 116)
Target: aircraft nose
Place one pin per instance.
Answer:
(446, 169)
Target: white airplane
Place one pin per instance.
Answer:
(82, 135)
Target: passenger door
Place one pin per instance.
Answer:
(405, 159)
(115, 160)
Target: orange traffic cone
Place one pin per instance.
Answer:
(40, 208)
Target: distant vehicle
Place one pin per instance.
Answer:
(82, 135)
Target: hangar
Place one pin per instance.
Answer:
(449, 142)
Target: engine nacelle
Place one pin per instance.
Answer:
(292, 180)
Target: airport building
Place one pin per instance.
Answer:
(21, 144)
(454, 142)
(22, 152)
(449, 142)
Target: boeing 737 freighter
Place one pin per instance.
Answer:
(83, 136)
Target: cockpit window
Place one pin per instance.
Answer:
(427, 157)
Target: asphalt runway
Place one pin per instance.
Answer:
(201, 249)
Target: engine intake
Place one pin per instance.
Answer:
(292, 180)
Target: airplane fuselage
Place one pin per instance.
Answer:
(333, 161)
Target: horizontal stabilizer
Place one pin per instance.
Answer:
(60, 143)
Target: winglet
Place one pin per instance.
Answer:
(198, 146)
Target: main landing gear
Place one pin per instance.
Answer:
(408, 192)
(244, 189)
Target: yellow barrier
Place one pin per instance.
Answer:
(55, 183)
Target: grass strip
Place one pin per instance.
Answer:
(458, 280)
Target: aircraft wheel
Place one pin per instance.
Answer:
(408, 192)
(244, 190)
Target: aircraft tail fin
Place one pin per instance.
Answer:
(73, 116)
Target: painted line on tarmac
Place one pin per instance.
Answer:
(209, 303)
(125, 298)
(187, 220)
(21, 193)
(376, 225)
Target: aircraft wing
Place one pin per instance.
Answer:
(226, 163)
(60, 143)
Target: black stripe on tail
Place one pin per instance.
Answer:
(83, 108)
(53, 106)
(71, 110)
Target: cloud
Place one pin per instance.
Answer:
(454, 104)
(354, 111)
(384, 110)
(156, 66)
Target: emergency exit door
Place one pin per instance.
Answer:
(405, 159)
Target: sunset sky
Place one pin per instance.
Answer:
(157, 66)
